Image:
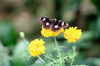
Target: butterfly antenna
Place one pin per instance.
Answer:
(52, 15)
(58, 15)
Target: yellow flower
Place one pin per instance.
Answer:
(72, 34)
(49, 33)
(36, 47)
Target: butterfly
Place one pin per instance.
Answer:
(54, 24)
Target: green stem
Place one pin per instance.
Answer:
(57, 47)
(49, 58)
(74, 47)
(25, 41)
(42, 59)
(72, 61)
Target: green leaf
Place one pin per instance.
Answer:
(8, 35)
(22, 58)
(62, 46)
(49, 63)
(4, 56)
(70, 54)
(37, 64)
(80, 65)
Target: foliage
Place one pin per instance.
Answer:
(22, 15)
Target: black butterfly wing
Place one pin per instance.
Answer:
(58, 24)
(55, 27)
(62, 24)
(47, 22)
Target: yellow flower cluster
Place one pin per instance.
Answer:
(49, 33)
(72, 34)
(36, 47)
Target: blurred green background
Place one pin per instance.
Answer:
(22, 15)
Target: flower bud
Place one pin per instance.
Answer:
(22, 34)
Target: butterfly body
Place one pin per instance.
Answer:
(54, 24)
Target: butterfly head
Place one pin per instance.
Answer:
(54, 19)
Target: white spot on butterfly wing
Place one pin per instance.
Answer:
(62, 23)
(47, 23)
(56, 26)
(44, 19)
(66, 23)
(40, 18)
